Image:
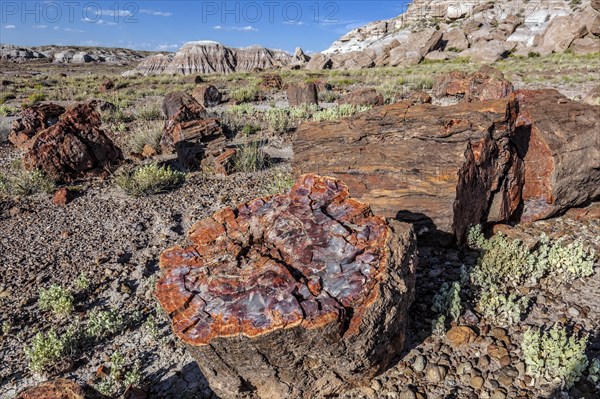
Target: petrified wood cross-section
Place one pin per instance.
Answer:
(293, 296)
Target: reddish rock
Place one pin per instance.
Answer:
(63, 196)
(184, 105)
(219, 163)
(558, 141)
(299, 295)
(486, 84)
(207, 95)
(73, 148)
(443, 168)
(418, 97)
(362, 97)
(148, 151)
(591, 212)
(273, 82)
(31, 121)
(58, 389)
(105, 86)
(192, 140)
(460, 335)
(302, 94)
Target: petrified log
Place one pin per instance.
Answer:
(207, 95)
(293, 296)
(192, 140)
(362, 97)
(75, 147)
(106, 86)
(486, 84)
(58, 389)
(302, 93)
(443, 168)
(31, 121)
(183, 104)
(559, 141)
(273, 82)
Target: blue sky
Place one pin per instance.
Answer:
(166, 25)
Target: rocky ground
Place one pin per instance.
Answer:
(114, 240)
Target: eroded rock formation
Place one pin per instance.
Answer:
(73, 148)
(293, 296)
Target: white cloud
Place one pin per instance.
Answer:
(72, 30)
(56, 28)
(238, 28)
(98, 22)
(156, 13)
(167, 47)
(9, 27)
(40, 26)
(112, 13)
(293, 22)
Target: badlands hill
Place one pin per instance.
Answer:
(70, 54)
(213, 57)
(482, 31)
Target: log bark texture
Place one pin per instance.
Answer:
(559, 141)
(294, 296)
(437, 167)
(31, 121)
(304, 93)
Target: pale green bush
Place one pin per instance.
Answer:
(50, 349)
(554, 356)
(339, 112)
(250, 158)
(104, 323)
(149, 179)
(56, 299)
(502, 309)
(447, 301)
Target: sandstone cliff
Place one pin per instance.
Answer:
(482, 30)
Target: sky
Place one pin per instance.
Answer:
(162, 25)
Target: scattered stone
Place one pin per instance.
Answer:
(304, 93)
(74, 147)
(63, 196)
(435, 373)
(497, 352)
(477, 382)
(285, 252)
(461, 335)
(369, 97)
(419, 364)
(149, 151)
(417, 97)
(407, 394)
(207, 95)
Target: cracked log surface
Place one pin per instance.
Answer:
(293, 296)
(442, 168)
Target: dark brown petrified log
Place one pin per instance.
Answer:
(559, 140)
(300, 295)
(443, 168)
(207, 95)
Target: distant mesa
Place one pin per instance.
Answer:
(70, 54)
(208, 57)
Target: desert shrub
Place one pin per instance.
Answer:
(244, 94)
(328, 96)
(339, 112)
(4, 130)
(554, 356)
(121, 376)
(104, 323)
(149, 179)
(6, 110)
(250, 158)
(148, 133)
(48, 350)
(248, 129)
(278, 119)
(26, 183)
(533, 54)
(151, 112)
(4, 97)
(36, 97)
(281, 183)
(509, 263)
(502, 309)
(56, 299)
(82, 282)
(447, 301)
(594, 372)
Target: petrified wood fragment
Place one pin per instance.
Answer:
(443, 168)
(293, 296)
(486, 84)
(31, 121)
(207, 95)
(57, 389)
(73, 148)
(559, 141)
(362, 97)
(304, 93)
(183, 104)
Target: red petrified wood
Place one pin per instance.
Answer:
(31, 121)
(293, 296)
